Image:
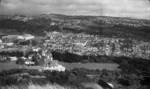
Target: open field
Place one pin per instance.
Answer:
(34, 86)
(68, 66)
(92, 66)
(93, 85)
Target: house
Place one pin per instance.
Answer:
(25, 37)
(81, 43)
(20, 37)
(2, 46)
(9, 44)
(10, 37)
(13, 58)
(29, 63)
(1, 41)
(24, 58)
(28, 37)
(52, 23)
(36, 49)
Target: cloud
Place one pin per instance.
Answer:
(121, 8)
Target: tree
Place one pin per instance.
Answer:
(37, 60)
(34, 42)
(20, 61)
(127, 68)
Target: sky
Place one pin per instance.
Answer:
(115, 8)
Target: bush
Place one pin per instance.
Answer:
(20, 61)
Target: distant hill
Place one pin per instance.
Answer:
(100, 25)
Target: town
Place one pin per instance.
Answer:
(74, 44)
(33, 52)
(25, 49)
(80, 44)
(85, 44)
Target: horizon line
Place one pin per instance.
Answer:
(125, 17)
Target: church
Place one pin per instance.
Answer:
(51, 64)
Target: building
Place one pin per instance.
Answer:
(51, 64)
(25, 37)
(28, 37)
(36, 49)
(54, 66)
(10, 37)
(13, 58)
(1, 41)
(29, 63)
(81, 43)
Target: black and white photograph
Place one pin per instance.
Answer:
(74, 44)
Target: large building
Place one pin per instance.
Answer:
(51, 64)
(25, 37)
(54, 66)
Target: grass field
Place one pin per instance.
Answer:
(92, 85)
(68, 66)
(92, 66)
(34, 86)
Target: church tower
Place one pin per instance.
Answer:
(48, 58)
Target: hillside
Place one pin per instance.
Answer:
(100, 25)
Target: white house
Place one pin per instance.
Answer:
(25, 37)
(28, 37)
(13, 58)
(20, 37)
(1, 41)
(10, 44)
(29, 63)
(36, 49)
